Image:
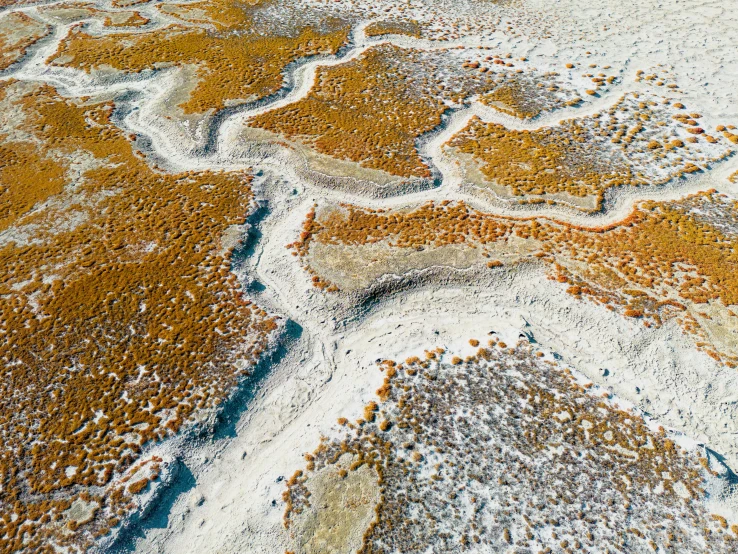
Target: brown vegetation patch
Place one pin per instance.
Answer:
(664, 261)
(135, 19)
(70, 12)
(394, 27)
(584, 157)
(26, 179)
(127, 3)
(119, 317)
(370, 111)
(540, 162)
(527, 95)
(236, 61)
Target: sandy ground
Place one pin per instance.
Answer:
(228, 494)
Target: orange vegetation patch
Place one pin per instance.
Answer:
(222, 15)
(627, 145)
(236, 61)
(662, 245)
(662, 256)
(26, 178)
(7, 3)
(18, 32)
(372, 110)
(548, 161)
(76, 11)
(135, 19)
(393, 27)
(119, 318)
(428, 225)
